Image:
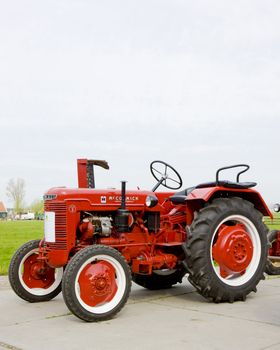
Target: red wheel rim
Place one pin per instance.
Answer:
(37, 274)
(232, 250)
(97, 282)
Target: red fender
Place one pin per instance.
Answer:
(199, 196)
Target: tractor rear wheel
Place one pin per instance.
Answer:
(159, 279)
(226, 250)
(33, 280)
(272, 267)
(96, 283)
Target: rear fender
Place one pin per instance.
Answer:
(199, 196)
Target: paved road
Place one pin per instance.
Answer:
(177, 318)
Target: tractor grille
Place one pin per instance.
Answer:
(60, 224)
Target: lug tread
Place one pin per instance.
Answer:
(201, 274)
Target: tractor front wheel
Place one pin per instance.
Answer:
(96, 283)
(226, 250)
(31, 279)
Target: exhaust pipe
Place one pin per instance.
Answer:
(122, 214)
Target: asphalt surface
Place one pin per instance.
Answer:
(177, 318)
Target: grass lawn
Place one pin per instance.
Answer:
(13, 234)
(273, 224)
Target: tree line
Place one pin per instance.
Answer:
(15, 191)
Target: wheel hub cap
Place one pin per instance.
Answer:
(233, 250)
(97, 283)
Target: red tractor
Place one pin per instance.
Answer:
(273, 262)
(97, 241)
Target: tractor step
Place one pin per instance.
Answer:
(171, 244)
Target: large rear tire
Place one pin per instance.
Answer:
(31, 279)
(96, 283)
(226, 250)
(159, 279)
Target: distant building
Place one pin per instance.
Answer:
(3, 211)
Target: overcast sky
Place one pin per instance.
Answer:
(194, 83)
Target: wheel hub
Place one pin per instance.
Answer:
(37, 270)
(101, 284)
(97, 283)
(233, 250)
(37, 274)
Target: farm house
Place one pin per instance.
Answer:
(3, 211)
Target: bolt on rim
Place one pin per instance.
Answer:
(238, 278)
(105, 278)
(35, 283)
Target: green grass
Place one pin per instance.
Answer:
(273, 224)
(14, 234)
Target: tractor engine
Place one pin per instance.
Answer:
(146, 242)
(145, 228)
(95, 225)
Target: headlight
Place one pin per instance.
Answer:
(151, 201)
(276, 208)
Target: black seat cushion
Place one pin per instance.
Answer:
(180, 197)
(228, 184)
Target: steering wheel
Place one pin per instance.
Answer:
(162, 172)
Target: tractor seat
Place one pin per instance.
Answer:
(180, 197)
(228, 184)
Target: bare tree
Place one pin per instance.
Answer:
(16, 192)
(37, 206)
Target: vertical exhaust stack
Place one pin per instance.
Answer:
(122, 214)
(123, 204)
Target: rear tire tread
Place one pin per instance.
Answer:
(201, 274)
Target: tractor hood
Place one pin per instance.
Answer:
(109, 199)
